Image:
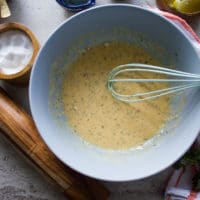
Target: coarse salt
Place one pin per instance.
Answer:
(16, 50)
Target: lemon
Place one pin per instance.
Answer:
(169, 3)
(186, 6)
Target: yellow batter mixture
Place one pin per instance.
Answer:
(95, 115)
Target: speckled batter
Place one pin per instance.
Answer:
(95, 115)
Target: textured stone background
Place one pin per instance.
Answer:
(19, 180)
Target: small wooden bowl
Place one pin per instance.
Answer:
(21, 77)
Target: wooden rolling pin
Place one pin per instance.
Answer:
(20, 128)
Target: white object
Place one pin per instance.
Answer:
(180, 185)
(16, 50)
(4, 9)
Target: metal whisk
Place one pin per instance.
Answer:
(181, 81)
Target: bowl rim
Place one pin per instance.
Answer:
(74, 167)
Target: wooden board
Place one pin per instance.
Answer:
(20, 128)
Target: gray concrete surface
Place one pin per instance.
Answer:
(19, 180)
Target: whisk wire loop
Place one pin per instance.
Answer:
(184, 79)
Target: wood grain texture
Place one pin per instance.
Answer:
(20, 128)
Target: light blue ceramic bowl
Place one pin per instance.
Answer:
(122, 22)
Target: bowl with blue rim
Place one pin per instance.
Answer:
(76, 5)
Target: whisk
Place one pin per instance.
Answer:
(181, 81)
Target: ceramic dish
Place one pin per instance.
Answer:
(123, 22)
(76, 5)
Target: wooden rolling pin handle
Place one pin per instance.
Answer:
(20, 128)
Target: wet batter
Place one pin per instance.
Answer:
(99, 118)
